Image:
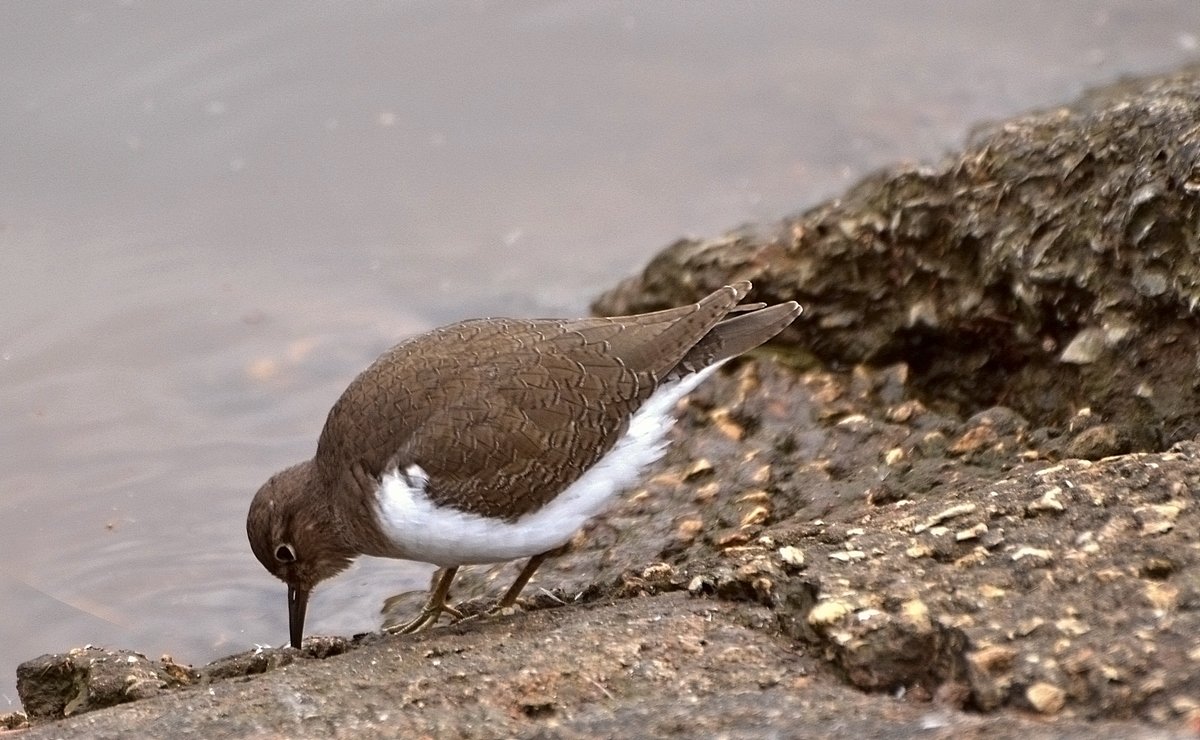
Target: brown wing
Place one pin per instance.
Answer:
(539, 418)
(503, 414)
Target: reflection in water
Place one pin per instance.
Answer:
(213, 219)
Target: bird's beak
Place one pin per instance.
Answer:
(297, 606)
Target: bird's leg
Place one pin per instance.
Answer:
(433, 607)
(510, 596)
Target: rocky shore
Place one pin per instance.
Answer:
(960, 496)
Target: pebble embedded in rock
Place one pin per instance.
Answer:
(827, 613)
(792, 557)
(1046, 698)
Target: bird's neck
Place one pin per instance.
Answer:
(350, 499)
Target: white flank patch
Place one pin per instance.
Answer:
(449, 537)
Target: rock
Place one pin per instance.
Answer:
(1048, 502)
(884, 653)
(1102, 440)
(792, 557)
(828, 613)
(989, 671)
(1053, 263)
(13, 721)
(55, 686)
(264, 659)
(1086, 347)
(1046, 698)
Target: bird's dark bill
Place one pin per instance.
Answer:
(297, 606)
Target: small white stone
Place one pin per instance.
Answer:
(792, 556)
(828, 612)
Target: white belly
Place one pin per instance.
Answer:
(449, 537)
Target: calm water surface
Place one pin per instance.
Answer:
(212, 216)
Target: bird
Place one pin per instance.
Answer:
(492, 440)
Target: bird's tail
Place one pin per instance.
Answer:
(732, 336)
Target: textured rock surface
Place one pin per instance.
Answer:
(669, 665)
(1053, 265)
(55, 686)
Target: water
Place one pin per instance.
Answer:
(212, 216)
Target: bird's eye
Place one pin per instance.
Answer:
(285, 554)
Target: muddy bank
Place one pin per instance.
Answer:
(960, 496)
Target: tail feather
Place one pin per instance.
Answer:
(733, 336)
(665, 337)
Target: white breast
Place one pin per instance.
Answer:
(447, 537)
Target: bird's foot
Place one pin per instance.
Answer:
(429, 616)
(433, 609)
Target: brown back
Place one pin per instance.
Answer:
(503, 414)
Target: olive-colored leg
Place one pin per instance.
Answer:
(433, 608)
(510, 596)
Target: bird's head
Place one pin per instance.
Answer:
(294, 536)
